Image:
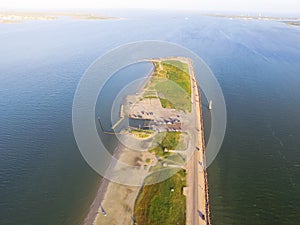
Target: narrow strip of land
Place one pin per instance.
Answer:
(166, 140)
(196, 193)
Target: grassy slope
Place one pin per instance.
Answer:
(183, 66)
(178, 72)
(158, 205)
(171, 79)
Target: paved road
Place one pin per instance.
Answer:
(195, 179)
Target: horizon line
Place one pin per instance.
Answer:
(148, 9)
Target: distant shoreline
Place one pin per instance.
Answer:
(8, 17)
(292, 23)
(289, 21)
(253, 17)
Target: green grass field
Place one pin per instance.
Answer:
(172, 81)
(180, 65)
(179, 75)
(169, 141)
(166, 103)
(162, 203)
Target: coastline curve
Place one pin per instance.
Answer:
(93, 80)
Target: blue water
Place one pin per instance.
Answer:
(254, 180)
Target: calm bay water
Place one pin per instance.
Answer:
(254, 180)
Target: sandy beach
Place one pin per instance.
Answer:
(114, 202)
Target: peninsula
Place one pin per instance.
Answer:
(23, 16)
(253, 17)
(164, 142)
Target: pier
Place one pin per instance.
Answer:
(121, 118)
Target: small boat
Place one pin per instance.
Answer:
(210, 105)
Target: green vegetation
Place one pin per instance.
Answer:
(175, 159)
(162, 203)
(169, 142)
(150, 96)
(183, 142)
(179, 76)
(171, 82)
(166, 104)
(180, 65)
(142, 133)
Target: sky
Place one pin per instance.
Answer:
(258, 6)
